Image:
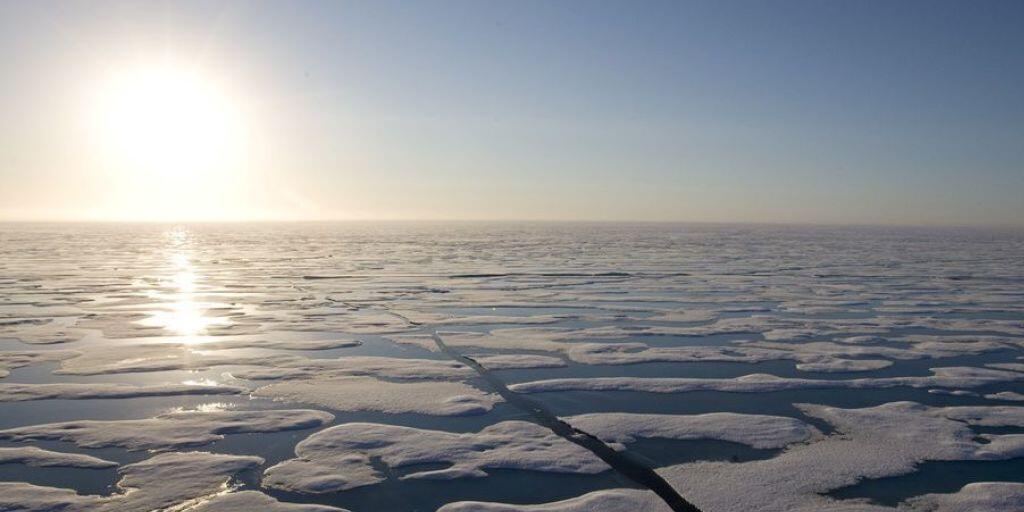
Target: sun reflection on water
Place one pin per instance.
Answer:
(182, 311)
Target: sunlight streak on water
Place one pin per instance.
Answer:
(208, 407)
(181, 312)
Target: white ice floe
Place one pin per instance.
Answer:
(514, 361)
(754, 430)
(556, 341)
(34, 456)
(974, 497)
(684, 316)
(875, 442)
(611, 500)
(1006, 395)
(254, 501)
(820, 350)
(633, 353)
(843, 365)
(322, 470)
(338, 458)
(952, 392)
(431, 318)
(439, 398)
(363, 321)
(152, 357)
(386, 367)
(989, 416)
(169, 431)
(169, 481)
(522, 339)
(793, 329)
(85, 391)
(950, 377)
(818, 356)
(169, 356)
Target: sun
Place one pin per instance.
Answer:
(167, 124)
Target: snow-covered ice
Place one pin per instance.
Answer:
(437, 398)
(172, 430)
(421, 367)
(346, 450)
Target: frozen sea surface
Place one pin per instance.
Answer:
(501, 367)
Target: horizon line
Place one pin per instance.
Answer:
(982, 226)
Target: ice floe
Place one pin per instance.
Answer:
(169, 431)
(950, 377)
(338, 458)
(754, 430)
(10, 392)
(439, 398)
(816, 356)
(875, 442)
(168, 481)
(153, 357)
(843, 365)
(33, 456)
(438, 319)
(163, 357)
(253, 501)
(385, 367)
(1006, 395)
(514, 361)
(612, 500)
(974, 497)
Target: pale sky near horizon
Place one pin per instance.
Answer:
(902, 112)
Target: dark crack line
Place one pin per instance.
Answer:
(619, 461)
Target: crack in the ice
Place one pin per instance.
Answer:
(619, 461)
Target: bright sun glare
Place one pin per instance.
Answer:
(168, 123)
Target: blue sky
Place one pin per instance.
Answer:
(898, 112)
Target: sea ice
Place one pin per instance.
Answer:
(612, 500)
(169, 431)
(974, 497)
(168, 481)
(1006, 395)
(385, 367)
(338, 458)
(34, 456)
(10, 360)
(438, 398)
(875, 442)
(253, 501)
(950, 377)
(85, 391)
(514, 361)
(754, 430)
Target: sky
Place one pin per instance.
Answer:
(849, 112)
